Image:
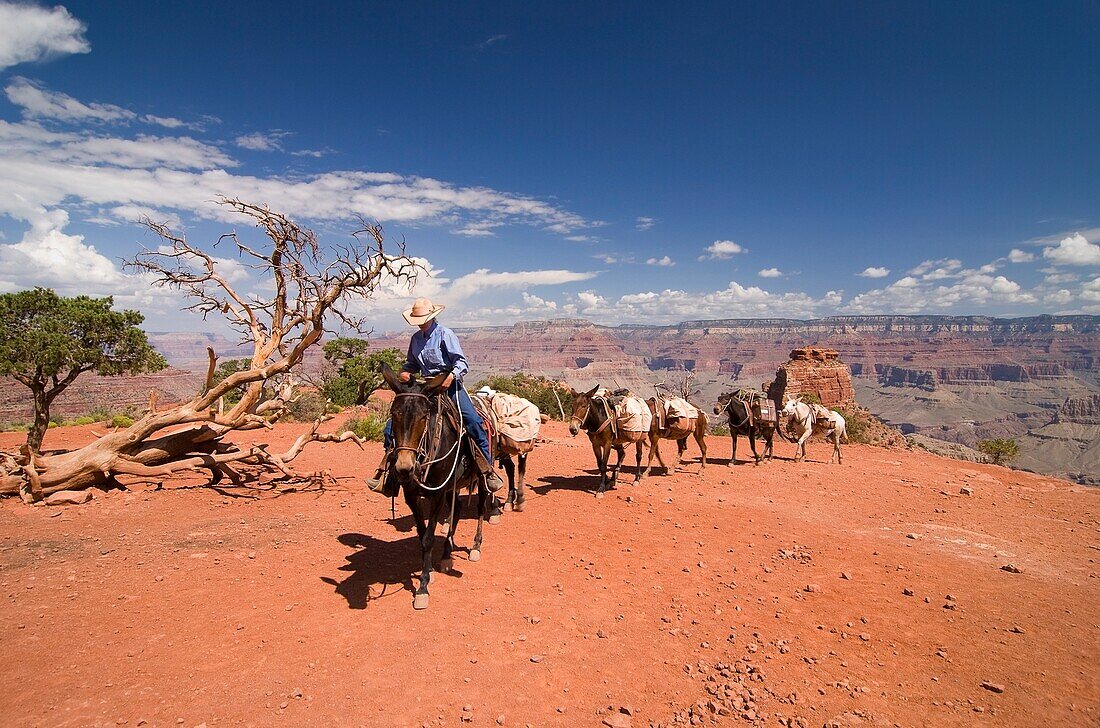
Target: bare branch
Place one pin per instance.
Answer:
(309, 286)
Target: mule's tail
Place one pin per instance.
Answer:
(783, 435)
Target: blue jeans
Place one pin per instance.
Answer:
(470, 418)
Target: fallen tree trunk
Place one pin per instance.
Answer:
(190, 436)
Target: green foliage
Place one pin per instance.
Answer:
(369, 427)
(358, 370)
(121, 421)
(1000, 450)
(227, 368)
(809, 398)
(47, 341)
(720, 428)
(857, 426)
(340, 390)
(100, 414)
(14, 426)
(82, 420)
(538, 390)
(47, 335)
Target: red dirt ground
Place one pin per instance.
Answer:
(770, 594)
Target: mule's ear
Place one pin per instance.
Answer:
(392, 379)
(435, 384)
(590, 393)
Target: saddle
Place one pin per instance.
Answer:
(489, 422)
(757, 406)
(610, 404)
(667, 409)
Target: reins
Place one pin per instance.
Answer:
(428, 444)
(581, 421)
(729, 413)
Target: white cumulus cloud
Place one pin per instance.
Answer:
(874, 272)
(1074, 250)
(721, 249)
(31, 33)
(483, 279)
(663, 261)
(770, 273)
(1020, 256)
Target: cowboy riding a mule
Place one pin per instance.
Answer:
(435, 441)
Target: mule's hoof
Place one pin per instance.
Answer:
(420, 601)
(518, 507)
(509, 506)
(475, 555)
(599, 495)
(494, 519)
(447, 564)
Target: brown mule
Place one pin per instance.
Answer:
(678, 429)
(595, 416)
(432, 462)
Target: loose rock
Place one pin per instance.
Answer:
(68, 497)
(617, 720)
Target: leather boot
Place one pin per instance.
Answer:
(378, 482)
(492, 481)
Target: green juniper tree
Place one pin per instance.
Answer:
(1000, 450)
(47, 341)
(358, 370)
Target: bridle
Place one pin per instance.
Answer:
(728, 407)
(427, 444)
(588, 411)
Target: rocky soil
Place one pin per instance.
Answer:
(899, 588)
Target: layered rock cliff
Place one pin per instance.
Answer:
(1080, 410)
(812, 370)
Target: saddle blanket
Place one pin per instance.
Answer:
(679, 407)
(516, 417)
(632, 414)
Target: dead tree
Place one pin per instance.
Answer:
(311, 287)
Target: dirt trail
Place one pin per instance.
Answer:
(770, 595)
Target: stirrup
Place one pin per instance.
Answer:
(378, 482)
(493, 481)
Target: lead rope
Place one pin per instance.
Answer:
(454, 449)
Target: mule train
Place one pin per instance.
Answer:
(767, 413)
(617, 419)
(433, 462)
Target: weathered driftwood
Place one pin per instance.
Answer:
(309, 288)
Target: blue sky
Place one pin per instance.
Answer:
(624, 163)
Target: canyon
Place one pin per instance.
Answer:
(941, 379)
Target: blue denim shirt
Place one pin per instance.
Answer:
(434, 352)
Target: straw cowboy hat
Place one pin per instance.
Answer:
(422, 311)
